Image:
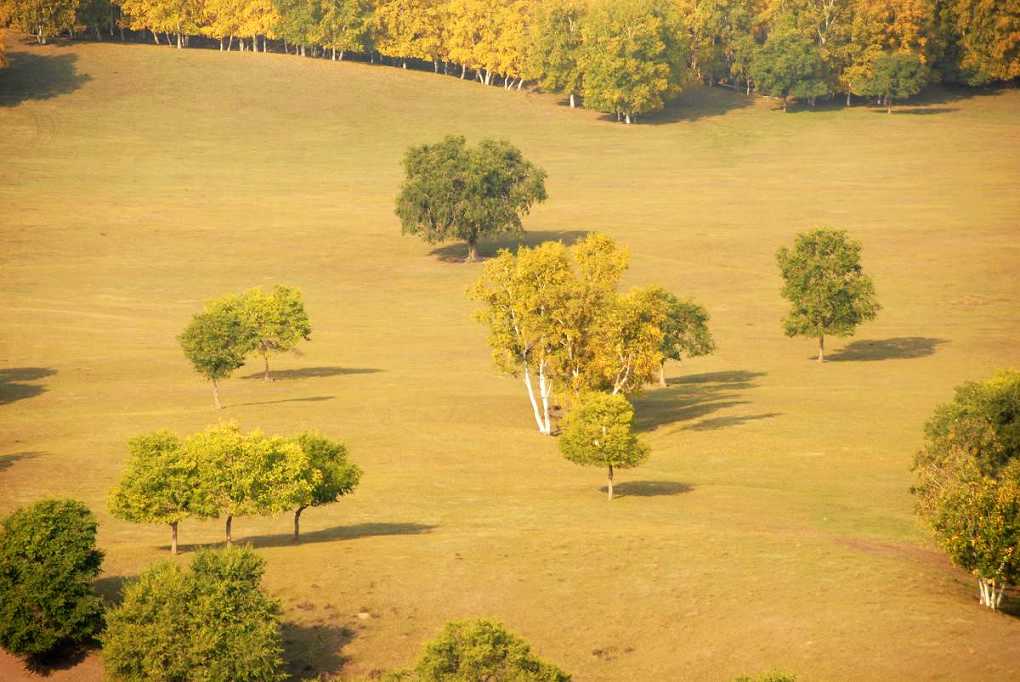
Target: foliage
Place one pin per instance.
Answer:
(274, 322)
(218, 340)
(768, 677)
(598, 433)
(630, 337)
(554, 47)
(684, 328)
(40, 18)
(452, 191)
(789, 65)
(48, 559)
(989, 38)
(343, 25)
(210, 623)
(471, 650)
(329, 474)
(894, 75)
(826, 286)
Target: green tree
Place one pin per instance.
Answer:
(685, 330)
(472, 650)
(160, 484)
(894, 75)
(789, 65)
(299, 22)
(210, 623)
(988, 36)
(217, 341)
(40, 18)
(48, 560)
(452, 191)
(598, 433)
(554, 47)
(633, 57)
(276, 321)
(826, 286)
(336, 476)
(774, 676)
(344, 26)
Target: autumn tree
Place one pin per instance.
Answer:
(825, 283)
(405, 29)
(789, 65)
(685, 330)
(160, 484)
(554, 47)
(633, 57)
(894, 75)
(217, 341)
(40, 18)
(599, 433)
(48, 561)
(989, 38)
(343, 26)
(452, 191)
(629, 341)
(3, 51)
(179, 18)
(329, 474)
(299, 22)
(212, 622)
(275, 321)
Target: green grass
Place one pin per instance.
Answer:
(772, 526)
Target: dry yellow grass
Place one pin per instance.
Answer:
(772, 526)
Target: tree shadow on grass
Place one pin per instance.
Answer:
(311, 399)
(691, 397)
(14, 384)
(457, 253)
(111, 588)
(900, 348)
(649, 488)
(314, 651)
(7, 461)
(62, 659)
(359, 530)
(733, 420)
(33, 76)
(695, 104)
(916, 111)
(312, 372)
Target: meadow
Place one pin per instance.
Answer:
(773, 525)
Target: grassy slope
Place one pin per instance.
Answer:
(772, 526)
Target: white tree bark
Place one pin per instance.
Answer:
(531, 396)
(545, 390)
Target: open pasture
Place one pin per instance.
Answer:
(772, 526)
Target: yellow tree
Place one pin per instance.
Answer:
(172, 17)
(258, 18)
(464, 21)
(221, 19)
(989, 33)
(511, 42)
(404, 29)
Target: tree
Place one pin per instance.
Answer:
(40, 18)
(176, 17)
(789, 65)
(630, 341)
(405, 29)
(299, 22)
(276, 321)
(217, 341)
(684, 331)
(48, 560)
(249, 473)
(894, 75)
(989, 38)
(470, 650)
(210, 623)
(344, 26)
(826, 285)
(599, 433)
(3, 51)
(554, 47)
(452, 191)
(161, 484)
(336, 476)
(633, 58)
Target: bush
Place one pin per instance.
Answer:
(48, 560)
(212, 623)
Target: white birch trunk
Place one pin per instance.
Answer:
(531, 396)
(545, 389)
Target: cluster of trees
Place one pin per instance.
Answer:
(625, 57)
(968, 482)
(223, 472)
(220, 339)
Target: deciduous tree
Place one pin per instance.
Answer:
(452, 191)
(825, 283)
(344, 26)
(789, 65)
(599, 433)
(989, 36)
(685, 330)
(40, 18)
(217, 341)
(276, 321)
(329, 474)
(894, 75)
(554, 47)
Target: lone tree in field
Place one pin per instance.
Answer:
(826, 286)
(161, 484)
(48, 560)
(217, 342)
(968, 488)
(335, 477)
(685, 332)
(452, 191)
(599, 433)
(894, 75)
(789, 65)
(210, 623)
(276, 321)
(480, 650)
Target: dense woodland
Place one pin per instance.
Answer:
(624, 57)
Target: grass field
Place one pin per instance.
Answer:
(772, 526)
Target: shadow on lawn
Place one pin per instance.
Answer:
(695, 104)
(359, 530)
(901, 348)
(14, 382)
(311, 399)
(695, 396)
(64, 658)
(312, 373)
(456, 253)
(33, 76)
(313, 651)
(649, 488)
(7, 461)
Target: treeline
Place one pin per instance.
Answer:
(626, 57)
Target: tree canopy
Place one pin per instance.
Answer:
(453, 191)
(825, 283)
(895, 75)
(275, 321)
(217, 341)
(329, 473)
(789, 65)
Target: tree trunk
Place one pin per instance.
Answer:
(888, 105)
(662, 374)
(609, 482)
(173, 538)
(265, 358)
(526, 374)
(230, 520)
(155, 36)
(180, 40)
(626, 118)
(472, 254)
(230, 43)
(297, 523)
(544, 389)
(463, 70)
(221, 44)
(848, 103)
(821, 348)
(216, 395)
